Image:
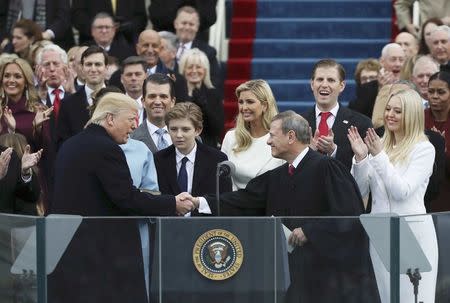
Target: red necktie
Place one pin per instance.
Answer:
(323, 126)
(291, 170)
(56, 102)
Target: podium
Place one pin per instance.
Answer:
(188, 254)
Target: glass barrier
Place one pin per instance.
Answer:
(373, 258)
(18, 255)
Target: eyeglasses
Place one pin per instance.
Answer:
(105, 27)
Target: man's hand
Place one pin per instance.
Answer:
(325, 144)
(5, 157)
(29, 160)
(314, 139)
(184, 203)
(297, 237)
(386, 77)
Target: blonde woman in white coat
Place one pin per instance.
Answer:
(396, 170)
(246, 144)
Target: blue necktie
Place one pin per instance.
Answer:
(162, 143)
(182, 176)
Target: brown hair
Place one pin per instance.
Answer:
(186, 110)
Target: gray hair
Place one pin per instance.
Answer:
(388, 47)
(52, 47)
(171, 38)
(425, 60)
(290, 120)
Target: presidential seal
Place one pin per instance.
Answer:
(218, 254)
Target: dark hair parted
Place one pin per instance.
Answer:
(133, 60)
(94, 49)
(160, 79)
(441, 75)
(326, 63)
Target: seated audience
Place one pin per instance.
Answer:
(427, 27)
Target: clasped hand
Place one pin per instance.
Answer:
(324, 144)
(371, 143)
(186, 203)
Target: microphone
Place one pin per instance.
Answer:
(226, 169)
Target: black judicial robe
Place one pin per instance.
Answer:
(334, 265)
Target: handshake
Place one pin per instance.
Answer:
(186, 203)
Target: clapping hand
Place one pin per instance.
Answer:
(325, 144)
(30, 159)
(359, 148)
(373, 142)
(9, 119)
(5, 157)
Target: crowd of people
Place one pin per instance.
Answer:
(135, 118)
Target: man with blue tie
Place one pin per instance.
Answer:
(158, 98)
(189, 165)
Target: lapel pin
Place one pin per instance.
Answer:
(345, 121)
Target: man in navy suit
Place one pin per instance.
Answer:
(74, 112)
(329, 120)
(189, 165)
(186, 26)
(103, 261)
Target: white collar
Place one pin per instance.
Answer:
(333, 111)
(190, 156)
(300, 157)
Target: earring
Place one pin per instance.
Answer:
(26, 94)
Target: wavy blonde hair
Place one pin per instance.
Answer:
(30, 92)
(194, 56)
(263, 93)
(412, 124)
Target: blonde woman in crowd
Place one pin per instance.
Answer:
(246, 145)
(396, 170)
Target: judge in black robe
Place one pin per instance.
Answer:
(333, 264)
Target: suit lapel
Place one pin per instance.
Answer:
(341, 125)
(171, 162)
(199, 168)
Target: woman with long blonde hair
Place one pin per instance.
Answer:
(396, 170)
(19, 100)
(246, 145)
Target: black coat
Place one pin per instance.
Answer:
(366, 95)
(13, 188)
(103, 262)
(73, 116)
(211, 104)
(130, 15)
(204, 179)
(334, 265)
(344, 119)
(57, 14)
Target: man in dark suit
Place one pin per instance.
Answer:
(74, 112)
(148, 47)
(52, 15)
(158, 99)
(329, 120)
(103, 262)
(329, 254)
(129, 14)
(103, 31)
(186, 26)
(188, 165)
